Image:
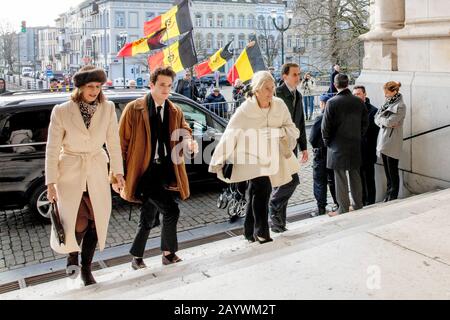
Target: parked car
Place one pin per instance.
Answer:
(24, 121)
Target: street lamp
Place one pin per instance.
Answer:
(123, 37)
(282, 28)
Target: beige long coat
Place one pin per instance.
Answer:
(75, 158)
(258, 144)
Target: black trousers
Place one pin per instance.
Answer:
(156, 199)
(368, 183)
(279, 200)
(256, 218)
(392, 176)
(322, 177)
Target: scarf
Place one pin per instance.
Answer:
(390, 101)
(87, 111)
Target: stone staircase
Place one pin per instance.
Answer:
(396, 250)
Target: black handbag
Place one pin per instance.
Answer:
(227, 170)
(56, 224)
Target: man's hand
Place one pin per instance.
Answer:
(192, 146)
(120, 184)
(304, 156)
(51, 193)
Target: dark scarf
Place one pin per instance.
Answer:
(87, 112)
(390, 101)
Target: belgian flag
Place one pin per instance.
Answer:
(217, 60)
(143, 45)
(177, 21)
(179, 55)
(250, 61)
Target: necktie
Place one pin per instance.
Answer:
(159, 133)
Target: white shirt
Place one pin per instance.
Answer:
(162, 120)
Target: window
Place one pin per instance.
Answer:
(198, 40)
(195, 118)
(120, 19)
(230, 21)
(298, 42)
(198, 20)
(314, 43)
(261, 23)
(220, 40)
(210, 21)
(220, 20)
(209, 41)
(251, 22)
(306, 43)
(133, 20)
(289, 41)
(241, 21)
(241, 41)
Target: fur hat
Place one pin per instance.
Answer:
(88, 74)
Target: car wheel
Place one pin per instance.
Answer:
(39, 204)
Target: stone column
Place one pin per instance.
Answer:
(380, 45)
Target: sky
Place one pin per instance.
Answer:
(36, 13)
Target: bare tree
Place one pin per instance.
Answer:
(8, 45)
(268, 43)
(338, 23)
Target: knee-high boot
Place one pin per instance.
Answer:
(87, 253)
(73, 268)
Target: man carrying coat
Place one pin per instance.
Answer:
(344, 123)
(153, 135)
(293, 99)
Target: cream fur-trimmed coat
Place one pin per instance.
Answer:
(75, 158)
(258, 143)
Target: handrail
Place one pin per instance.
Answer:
(426, 132)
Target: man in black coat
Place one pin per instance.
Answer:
(321, 175)
(293, 99)
(368, 149)
(334, 73)
(344, 123)
(187, 87)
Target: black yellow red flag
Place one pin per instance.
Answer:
(216, 61)
(249, 62)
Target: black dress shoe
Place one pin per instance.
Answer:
(277, 229)
(170, 258)
(138, 263)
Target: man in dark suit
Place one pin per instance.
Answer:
(334, 73)
(368, 149)
(152, 130)
(344, 123)
(293, 99)
(187, 87)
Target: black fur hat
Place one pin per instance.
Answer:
(88, 74)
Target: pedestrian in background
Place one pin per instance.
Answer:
(293, 99)
(321, 175)
(216, 103)
(238, 93)
(76, 167)
(267, 119)
(390, 118)
(187, 87)
(307, 87)
(368, 149)
(334, 73)
(3, 86)
(344, 123)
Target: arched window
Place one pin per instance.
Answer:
(198, 20)
(251, 22)
(198, 40)
(241, 41)
(261, 23)
(241, 21)
(220, 20)
(209, 41)
(231, 21)
(210, 20)
(220, 40)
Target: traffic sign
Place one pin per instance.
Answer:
(49, 73)
(49, 67)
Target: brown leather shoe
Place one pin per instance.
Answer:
(170, 258)
(138, 263)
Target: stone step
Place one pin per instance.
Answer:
(223, 269)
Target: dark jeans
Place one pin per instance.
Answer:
(321, 178)
(157, 200)
(368, 183)
(256, 218)
(308, 105)
(279, 200)
(393, 179)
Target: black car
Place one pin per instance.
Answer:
(24, 121)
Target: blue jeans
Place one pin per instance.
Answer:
(308, 105)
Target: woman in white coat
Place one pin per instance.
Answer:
(258, 140)
(76, 167)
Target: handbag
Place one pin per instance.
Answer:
(56, 224)
(227, 170)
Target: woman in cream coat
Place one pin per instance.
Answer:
(76, 168)
(258, 140)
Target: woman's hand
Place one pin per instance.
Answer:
(120, 184)
(51, 193)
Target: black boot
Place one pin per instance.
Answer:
(87, 253)
(73, 267)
